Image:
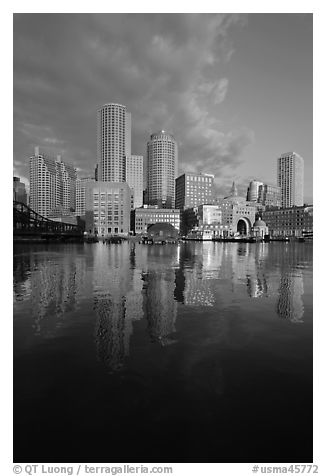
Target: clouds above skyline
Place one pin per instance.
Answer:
(172, 71)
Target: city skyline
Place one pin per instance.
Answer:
(221, 84)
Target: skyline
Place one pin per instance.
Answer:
(230, 88)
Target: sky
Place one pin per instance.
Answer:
(235, 90)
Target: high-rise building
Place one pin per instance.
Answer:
(290, 179)
(193, 189)
(135, 179)
(80, 195)
(253, 190)
(269, 195)
(113, 142)
(162, 166)
(52, 184)
(19, 191)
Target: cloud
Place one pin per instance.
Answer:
(168, 69)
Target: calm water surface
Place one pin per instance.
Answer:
(191, 352)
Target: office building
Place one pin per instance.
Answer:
(149, 215)
(135, 179)
(113, 142)
(253, 190)
(80, 195)
(162, 166)
(290, 178)
(19, 191)
(107, 207)
(52, 184)
(193, 189)
(269, 195)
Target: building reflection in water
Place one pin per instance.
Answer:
(117, 302)
(51, 287)
(199, 264)
(159, 304)
(290, 303)
(241, 267)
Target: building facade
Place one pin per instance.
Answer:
(52, 183)
(135, 179)
(162, 166)
(80, 195)
(150, 215)
(113, 142)
(19, 191)
(290, 169)
(269, 195)
(209, 215)
(107, 208)
(193, 189)
(294, 222)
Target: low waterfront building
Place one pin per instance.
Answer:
(107, 208)
(289, 222)
(149, 215)
(259, 229)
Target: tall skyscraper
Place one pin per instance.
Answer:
(19, 191)
(52, 184)
(113, 142)
(135, 178)
(253, 190)
(290, 178)
(193, 190)
(162, 166)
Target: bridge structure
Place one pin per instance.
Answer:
(30, 225)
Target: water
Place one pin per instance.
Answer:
(138, 353)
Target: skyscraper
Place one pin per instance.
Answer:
(290, 178)
(135, 178)
(253, 189)
(162, 166)
(52, 184)
(113, 142)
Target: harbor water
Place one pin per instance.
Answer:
(196, 352)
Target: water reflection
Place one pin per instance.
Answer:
(130, 282)
(159, 291)
(49, 282)
(117, 302)
(290, 303)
